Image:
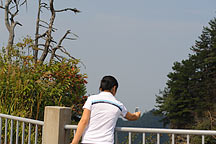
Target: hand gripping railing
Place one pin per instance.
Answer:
(19, 119)
(203, 133)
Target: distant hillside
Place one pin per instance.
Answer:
(147, 120)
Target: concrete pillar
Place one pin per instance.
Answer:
(54, 120)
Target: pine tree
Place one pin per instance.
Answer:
(176, 102)
(189, 99)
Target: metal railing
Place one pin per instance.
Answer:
(144, 131)
(5, 119)
(30, 122)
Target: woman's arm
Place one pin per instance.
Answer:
(81, 126)
(132, 116)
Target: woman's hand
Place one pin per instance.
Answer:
(133, 116)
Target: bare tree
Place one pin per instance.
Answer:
(43, 40)
(11, 9)
(50, 45)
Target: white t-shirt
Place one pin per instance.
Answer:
(105, 111)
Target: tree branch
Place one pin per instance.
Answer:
(71, 38)
(53, 29)
(53, 41)
(43, 22)
(58, 45)
(17, 23)
(57, 56)
(69, 9)
(24, 2)
(49, 37)
(40, 36)
(45, 5)
(6, 14)
(62, 49)
(14, 14)
(61, 40)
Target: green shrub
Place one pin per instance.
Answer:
(26, 86)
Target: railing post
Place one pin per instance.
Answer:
(54, 120)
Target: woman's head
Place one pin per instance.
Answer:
(109, 83)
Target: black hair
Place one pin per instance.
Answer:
(108, 82)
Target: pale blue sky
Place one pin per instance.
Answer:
(136, 41)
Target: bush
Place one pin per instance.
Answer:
(26, 86)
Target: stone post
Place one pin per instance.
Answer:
(55, 118)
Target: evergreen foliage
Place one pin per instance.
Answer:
(188, 100)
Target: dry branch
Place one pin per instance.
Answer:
(58, 46)
(40, 36)
(44, 5)
(44, 22)
(43, 40)
(71, 38)
(10, 23)
(49, 33)
(24, 2)
(53, 29)
(69, 9)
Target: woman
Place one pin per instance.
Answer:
(100, 115)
